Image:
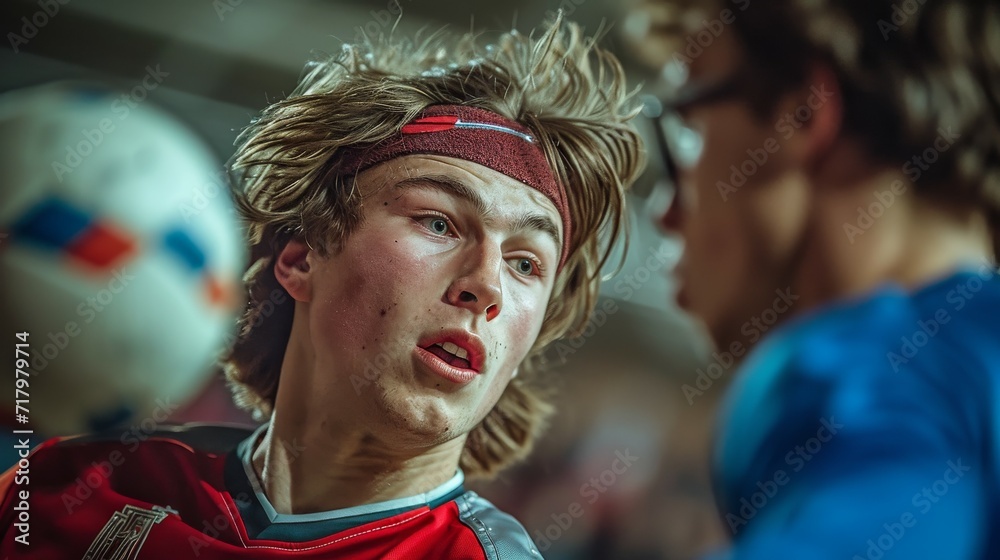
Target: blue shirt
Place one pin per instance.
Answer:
(870, 430)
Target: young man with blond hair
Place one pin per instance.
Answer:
(423, 220)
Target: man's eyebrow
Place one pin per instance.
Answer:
(448, 185)
(526, 221)
(542, 223)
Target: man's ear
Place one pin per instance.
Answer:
(817, 107)
(292, 269)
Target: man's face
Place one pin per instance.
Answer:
(422, 319)
(739, 208)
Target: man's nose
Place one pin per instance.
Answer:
(478, 288)
(668, 216)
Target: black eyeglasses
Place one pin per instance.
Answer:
(679, 144)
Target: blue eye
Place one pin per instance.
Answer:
(526, 267)
(437, 225)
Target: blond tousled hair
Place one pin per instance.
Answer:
(288, 184)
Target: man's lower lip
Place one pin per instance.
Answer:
(681, 296)
(444, 369)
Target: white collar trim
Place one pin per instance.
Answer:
(400, 503)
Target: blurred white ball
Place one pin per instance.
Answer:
(121, 256)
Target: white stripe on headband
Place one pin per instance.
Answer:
(499, 128)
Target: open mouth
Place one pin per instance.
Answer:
(456, 354)
(451, 353)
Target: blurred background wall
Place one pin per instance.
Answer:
(216, 63)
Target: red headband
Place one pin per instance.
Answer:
(475, 135)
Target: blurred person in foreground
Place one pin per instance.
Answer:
(838, 188)
(424, 220)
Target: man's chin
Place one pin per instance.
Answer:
(426, 419)
(719, 334)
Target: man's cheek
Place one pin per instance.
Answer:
(493, 394)
(702, 243)
(526, 326)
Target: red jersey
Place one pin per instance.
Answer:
(190, 492)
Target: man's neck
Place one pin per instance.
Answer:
(912, 243)
(308, 471)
